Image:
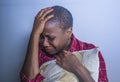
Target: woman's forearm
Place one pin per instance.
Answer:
(31, 65)
(83, 74)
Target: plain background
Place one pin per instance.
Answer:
(95, 21)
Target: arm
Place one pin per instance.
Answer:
(83, 75)
(69, 62)
(31, 65)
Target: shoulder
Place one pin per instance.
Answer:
(77, 45)
(88, 46)
(85, 45)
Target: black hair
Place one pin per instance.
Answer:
(63, 16)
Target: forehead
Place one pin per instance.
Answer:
(52, 28)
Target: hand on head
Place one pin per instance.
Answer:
(41, 19)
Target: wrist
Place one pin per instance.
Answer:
(35, 34)
(83, 74)
(36, 31)
(78, 69)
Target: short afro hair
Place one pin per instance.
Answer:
(63, 16)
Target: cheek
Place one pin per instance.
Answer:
(58, 44)
(62, 42)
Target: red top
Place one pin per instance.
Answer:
(76, 45)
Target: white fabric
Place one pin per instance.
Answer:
(54, 73)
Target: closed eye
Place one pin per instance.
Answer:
(50, 38)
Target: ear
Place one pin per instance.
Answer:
(69, 32)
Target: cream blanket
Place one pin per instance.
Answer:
(54, 73)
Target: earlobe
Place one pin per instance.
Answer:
(69, 32)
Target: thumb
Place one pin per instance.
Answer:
(66, 52)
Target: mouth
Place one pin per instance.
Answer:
(48, 50)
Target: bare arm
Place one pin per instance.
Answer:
(31, 64)
(83, 75)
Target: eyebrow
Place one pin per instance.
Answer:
(48, 35)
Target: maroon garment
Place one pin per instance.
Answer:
(76, 45)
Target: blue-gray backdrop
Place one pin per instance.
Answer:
(95, 21)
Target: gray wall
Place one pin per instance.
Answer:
(95, 21)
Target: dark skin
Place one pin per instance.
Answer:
(56, 41)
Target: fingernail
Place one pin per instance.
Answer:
(52, 15)
(52, 9)
(65, 51)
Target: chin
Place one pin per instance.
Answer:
(50, 54)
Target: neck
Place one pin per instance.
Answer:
(68, 44)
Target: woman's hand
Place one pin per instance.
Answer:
(70, 63)
(31, 64)
(41, 19)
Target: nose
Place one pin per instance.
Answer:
(45, 43)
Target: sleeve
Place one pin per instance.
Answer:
(102, 70)
(24, 78)
(39, 77)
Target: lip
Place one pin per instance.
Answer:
(48, 49)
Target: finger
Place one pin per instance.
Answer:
(58, 58)
(61, 55)
(59, 63)
(67, 52)
(48, 17)
(42, 11)
(45, 13)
